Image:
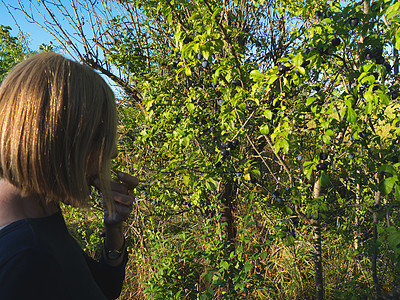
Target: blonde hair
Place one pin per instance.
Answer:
(56, 114)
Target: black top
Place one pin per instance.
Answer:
(39, 259)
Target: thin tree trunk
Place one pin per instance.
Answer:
(356, 219)
(360, 39)
(319, 279)
(375, 245)
(227, 197)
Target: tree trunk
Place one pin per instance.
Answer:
(319, 279)
(356, 219)
(228, 192)
(375, 245)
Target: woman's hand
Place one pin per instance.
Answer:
(123, 201)
(122, 196)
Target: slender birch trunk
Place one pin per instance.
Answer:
(374, 265)
(317, 238)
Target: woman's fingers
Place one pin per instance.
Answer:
(123, 199)
(123, 208)
(119, 187)
(130, 181)
(127, 182)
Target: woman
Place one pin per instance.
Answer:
(57, 138)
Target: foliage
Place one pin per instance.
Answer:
(313, 114)
(257, 126)
(12, 51)
(86, 228)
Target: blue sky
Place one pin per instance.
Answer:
(37, 35)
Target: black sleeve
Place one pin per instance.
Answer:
(30, 275)
(110, 279)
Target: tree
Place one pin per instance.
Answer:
(237, 110)
(12, 51)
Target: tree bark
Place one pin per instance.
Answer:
(317, 238)
(375, 245)
(228, 192)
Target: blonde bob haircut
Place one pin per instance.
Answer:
(56, 117)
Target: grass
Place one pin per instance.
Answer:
(176, 253)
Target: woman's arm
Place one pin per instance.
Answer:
(109, 278)
(114, 244)
(109, 273)
(114, 240)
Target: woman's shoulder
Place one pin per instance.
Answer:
(18, 238)
(36, 254)
(28, 271)
(23, 260)
(27, 235)
(26, 262)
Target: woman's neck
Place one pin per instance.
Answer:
(14, 207)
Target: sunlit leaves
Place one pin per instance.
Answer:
(12, 50)
(309, 91)
(257, 76)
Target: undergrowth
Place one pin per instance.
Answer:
(185, 257)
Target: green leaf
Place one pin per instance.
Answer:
(351, 115)
(369, 108)
(190, 107)
(264, 129)
(387, 169)
(218, 282)
(397, 45)
(392, 10)
(206, 53)
(387, 184)
(240, 286)
(397, 191)
(302, 72)
(298, 60)
(186, 141)
(384, 98)
(285, 146)
(349, 100)
(308, 168)
(264, 254)
(188, 71)
(257, 75)
(211, 184)
(248, 266)
(370, 79)
(289, 211)
(326, 138)
(394, 241)
(324, 179)
(310, 100)
(186, 180)
(272, 79)
(268, 114)
(224, 264)
(369, 96)
(208, 277)
(289, 240)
